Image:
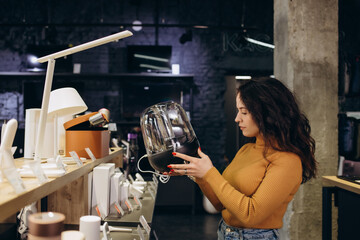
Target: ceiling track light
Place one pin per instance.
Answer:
(242, 77)
(251, 40)
(137, 25)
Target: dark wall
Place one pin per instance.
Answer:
(213, 52)
(349, 56)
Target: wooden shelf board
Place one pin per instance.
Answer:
(10, 202)
(333, 181)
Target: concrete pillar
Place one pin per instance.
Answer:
(306, 60)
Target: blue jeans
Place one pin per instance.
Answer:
(226, 232)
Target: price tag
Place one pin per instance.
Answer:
(138, 202)
(59, 163)
(91, 155)
(155, 180)
(38, 172)
(131, 179)
(151, 193)
(119, 209)
(99, 213)
(139, 177)
(76, 158)
(139, 231)
(144, 224)
(153, 187)
(14, 179)
(129, 205)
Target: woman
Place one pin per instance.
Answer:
(255, 189)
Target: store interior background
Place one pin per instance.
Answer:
(212, 55)
(208, 54)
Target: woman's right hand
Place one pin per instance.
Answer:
(196, 167)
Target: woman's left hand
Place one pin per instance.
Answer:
(196, 167)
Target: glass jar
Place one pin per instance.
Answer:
(166, 128)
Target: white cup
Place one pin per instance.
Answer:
(90, 227)
(72, 235)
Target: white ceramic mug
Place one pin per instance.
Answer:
(90, 227)
(72, 235)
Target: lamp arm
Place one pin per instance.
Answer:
(82, 47)
(44, 109)
(49, 79)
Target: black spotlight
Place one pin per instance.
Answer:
(186, 37)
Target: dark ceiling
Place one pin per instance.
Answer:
(253, 15)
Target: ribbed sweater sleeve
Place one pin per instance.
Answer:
(209, 193)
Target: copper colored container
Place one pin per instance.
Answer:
(80, 135)
(46, 225)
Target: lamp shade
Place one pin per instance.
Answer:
(65, 101)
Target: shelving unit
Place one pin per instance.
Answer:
(131, 219)
(60, 197)
(10, 202)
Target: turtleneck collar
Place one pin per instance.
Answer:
(259, 143)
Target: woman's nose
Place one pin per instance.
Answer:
(238, 118)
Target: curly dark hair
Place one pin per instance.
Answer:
(284, 128)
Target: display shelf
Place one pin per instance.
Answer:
(127, 235)
(347, 197)
(10, 202)
(333, 181)
(132, 218)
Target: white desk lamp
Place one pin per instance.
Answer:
(49, 78)
(64, 102)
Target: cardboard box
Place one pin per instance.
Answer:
(80, 135)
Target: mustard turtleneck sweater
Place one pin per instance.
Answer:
(253, 192)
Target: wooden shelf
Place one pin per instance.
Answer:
(10, 202)
(333, 181)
